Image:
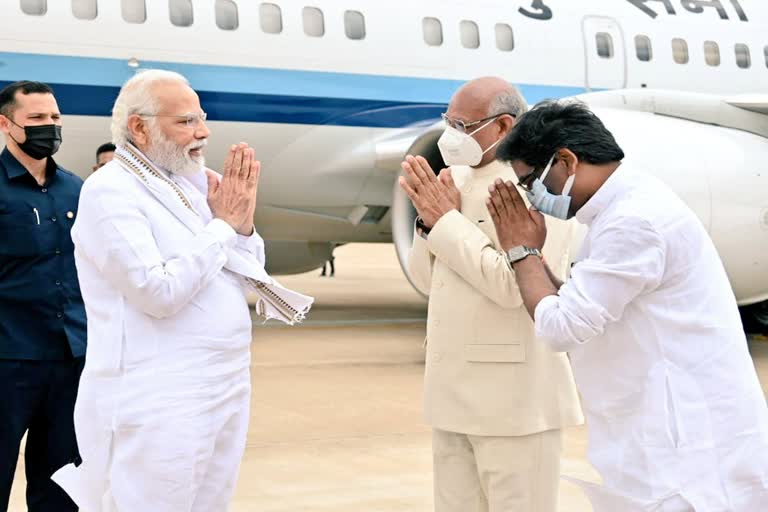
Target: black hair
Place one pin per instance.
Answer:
(8, 94)
(550, 126)
(105, 148)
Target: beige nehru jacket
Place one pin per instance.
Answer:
(485, 372)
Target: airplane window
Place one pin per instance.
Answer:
(505, 38)
(271, 18)
(134, 11)
(604, 45)
(34, 7)
(643, 48)
(470, 34)
(712, 53)
(680, 50)
(354, 24)
(226, 15)
(433, 31)
(84, 9)
(314, 24)
(743, 58)
(181, 12)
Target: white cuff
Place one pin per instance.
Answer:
(251, 243)
(223, 233)
(544, 305)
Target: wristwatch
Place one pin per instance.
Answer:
(420, 225)
(521, 252)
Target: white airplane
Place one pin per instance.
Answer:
(333, 93)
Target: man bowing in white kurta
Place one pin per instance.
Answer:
(165, 251)
(677, 419)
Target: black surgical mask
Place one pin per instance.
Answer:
(42, 141)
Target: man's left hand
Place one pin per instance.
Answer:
(432, 197)
(515, 223)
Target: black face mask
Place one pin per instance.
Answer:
(42, 141)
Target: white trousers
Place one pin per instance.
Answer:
(186, 467)
(161, 442)
(496, 474)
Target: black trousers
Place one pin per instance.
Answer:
(39, 397)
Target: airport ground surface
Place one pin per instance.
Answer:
(336, 411)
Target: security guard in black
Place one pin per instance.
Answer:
(42, 317)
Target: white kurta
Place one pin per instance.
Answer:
(162, 413)
(673, 404)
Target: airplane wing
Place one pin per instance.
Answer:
(745, 113)
(752, 102)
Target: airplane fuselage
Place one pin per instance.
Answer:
(321, 93)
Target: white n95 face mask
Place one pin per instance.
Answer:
(459, 148)
(548, 203)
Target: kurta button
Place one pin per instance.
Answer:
(59, 315)
(58, 251)
(44, 190)
(58, 283)
(53, 219)
(70, 215)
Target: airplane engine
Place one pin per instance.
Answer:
(294, 257)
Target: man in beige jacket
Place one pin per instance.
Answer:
(496, 400)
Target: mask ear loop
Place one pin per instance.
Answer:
(14, 122)
(547, 168)
(568, 185)
(486, 124)
(19, 126)
(493, 145)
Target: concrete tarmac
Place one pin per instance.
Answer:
(336, 411)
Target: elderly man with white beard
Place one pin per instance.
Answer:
(165, 250)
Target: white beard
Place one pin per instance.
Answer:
(173, 158)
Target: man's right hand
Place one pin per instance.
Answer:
(233, 199)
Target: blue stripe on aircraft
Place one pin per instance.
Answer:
(91, 100)
(247, 94)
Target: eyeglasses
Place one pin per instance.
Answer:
(527, 181)
(462, 126)
(190, 119)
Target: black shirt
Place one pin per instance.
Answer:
(42, 316)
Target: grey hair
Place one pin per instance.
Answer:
(509, 101)
(136, 97)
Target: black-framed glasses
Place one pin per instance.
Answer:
(463, 126)
(527, 181)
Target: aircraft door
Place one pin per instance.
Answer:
(606, 60)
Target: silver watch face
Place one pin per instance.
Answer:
(516, 253)
(520, 252)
